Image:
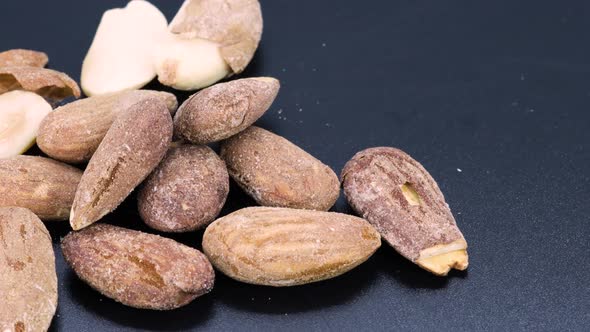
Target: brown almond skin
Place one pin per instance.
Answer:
(186, 192)
(373, 181)
(236, 25)
(73, 132)
(28, 282)
(137, 269)
(224, 109)
(287, 247)
(46, 187)
(47, 83)
(276, 172)
(133, 146)
(23, 58)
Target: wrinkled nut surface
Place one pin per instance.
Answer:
(400, 198)
(224, 109)
(133, 146)
(42, 185)
(44, 82)
(28, 282)
(121, 55)
(73, 132)
(138, 269)
(186, 192)
(235, 25)
(21, 113)
(23, 58)
(276, 172)
(287, 247)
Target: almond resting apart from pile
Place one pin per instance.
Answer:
(400, 198)
(206, 41)
(28, 282)
(287, 247)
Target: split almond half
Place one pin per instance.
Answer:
(21, 113)
(121, 55)
(47, 83)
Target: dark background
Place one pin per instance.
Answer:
(491, 96)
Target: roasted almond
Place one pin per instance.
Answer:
(23, 58)
(224, 109)
(28, 282)
(44, 82)
(287, 247)
(42, 185)
(399, 197)
(133, 146)
(186, 192)
(138, 269)
(276, 172)
(73, 132)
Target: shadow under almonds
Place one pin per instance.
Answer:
(189, 316)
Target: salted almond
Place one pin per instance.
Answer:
(399, 197)
(42, 185)
(28, 282)
(224, 109)
(276, 172)
(133, 146)
(23, 58)
(73, 132)
(235, 25)
(287, 247)
(44, 82)
(138, 269)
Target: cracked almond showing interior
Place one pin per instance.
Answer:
(224, 109)
(399, 197)
(138, 269)
(133, 146)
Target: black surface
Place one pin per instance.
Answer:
(493, 97)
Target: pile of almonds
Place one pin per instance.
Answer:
(141, 140)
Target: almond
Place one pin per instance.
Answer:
(138, 269)
(399, 197)
(276, 172)
(23, 58)
(44, 82)
(133, 146)
(224, 109)
(28, 282)
(73, 132)
(44, 186)
(287, 247)
(186, 192)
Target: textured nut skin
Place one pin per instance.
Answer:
(134, 145)
(224, 109)
(44, 82)
(138, 269)
(276, 172)
(73, 132)
(287, 247)
(28, 282)
(373, 181)
(236, 25)
(44, 186)
(23, 58)
(186, 192)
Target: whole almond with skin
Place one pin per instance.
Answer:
(20, 58)
(138, 269)
(73, 132)
(276, 172)
(133, 146)
(224, 109)
(46, 187)
(400, 198)
(44, 82)
(186, 191)
(288, 247)
(28, 282)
